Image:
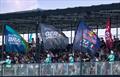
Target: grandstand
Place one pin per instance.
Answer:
(64, 18)
(26, 22)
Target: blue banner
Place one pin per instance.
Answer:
(13, 41)
(85, 39)
(52, 38)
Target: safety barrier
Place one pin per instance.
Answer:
(64, 69)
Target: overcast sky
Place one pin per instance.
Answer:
(21, 5)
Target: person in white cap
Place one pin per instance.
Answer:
(8, 61)
(71, 64)
(71, 58)
(48, 59)
(111, 57)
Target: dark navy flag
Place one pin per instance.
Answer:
(13, 41)
(52, 38)
(85, 39)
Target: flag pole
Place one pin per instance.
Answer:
(81, 51)
(28, 34)
(71, 38)
(37, 48)
(117, 28)
(97, 29)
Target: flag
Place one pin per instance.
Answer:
(85, 39)
(13, 41)
(108, 35)
(52, 38)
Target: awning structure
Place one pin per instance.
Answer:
(64, 19)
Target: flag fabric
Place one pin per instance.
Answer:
(108, 35)
(13, 41)
(85, 39)
(52, 38)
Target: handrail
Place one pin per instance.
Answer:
(55, 69)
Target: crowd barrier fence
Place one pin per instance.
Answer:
(61, 69)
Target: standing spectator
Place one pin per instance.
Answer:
(71, 58)
(103, 45)
(71, 64)
(48, 59)
(111, 57)
(8, 62)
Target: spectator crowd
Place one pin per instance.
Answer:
(63, 55)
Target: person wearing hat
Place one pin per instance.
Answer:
(71, 64)
(71, 58)
(48, 59)
(8, 61)
(111, 57)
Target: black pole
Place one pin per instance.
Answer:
(97, 30)
(28, 34)
(81, 51)
(37, 50)
(117, 28)
(71, 34)
(61, 39)
(71, 39)
(117, 32)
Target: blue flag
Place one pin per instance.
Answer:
(85, 39)
(13, 41)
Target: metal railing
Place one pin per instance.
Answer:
(56, 69)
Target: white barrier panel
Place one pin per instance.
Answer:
(33, 70)
(46, 69)
(74, 69)
(61, 69)
(8, 71)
